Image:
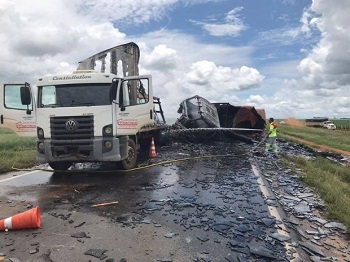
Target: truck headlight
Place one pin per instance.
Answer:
(108, 130)
(40, 132)
(108, 144)
(41, 147)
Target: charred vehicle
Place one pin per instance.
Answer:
(240, 122)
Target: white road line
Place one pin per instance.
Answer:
(274, 212)
(14, 177)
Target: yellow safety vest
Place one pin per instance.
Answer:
(273, 129)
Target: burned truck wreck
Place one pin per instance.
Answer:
(244, 117)
(239, 122)
(197, 112)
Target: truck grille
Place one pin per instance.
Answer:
(72, 135)
(84, 128)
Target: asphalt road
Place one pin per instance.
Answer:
(204, 209)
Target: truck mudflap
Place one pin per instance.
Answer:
(85, 151)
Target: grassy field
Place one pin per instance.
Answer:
(342, 123)
(15, 151)
(339, 139)
(332, 183)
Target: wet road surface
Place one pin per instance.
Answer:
(210, 209)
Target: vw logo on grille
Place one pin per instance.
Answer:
(71, 125)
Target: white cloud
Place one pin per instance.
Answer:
(208, 74)
(125, 12)
(231, 26)
(305, 23)
(34, 44)
(327, 65)
(322, 87)
(289, 35)
(294, 98)
(186, 54)
(281, 36)
(39, 38)
(161, 58)
(256, 100)
(133, 12)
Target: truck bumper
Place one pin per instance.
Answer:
(83, 150)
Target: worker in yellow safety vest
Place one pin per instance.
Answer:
(271, 137)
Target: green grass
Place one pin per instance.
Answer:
(342, 123)
(339, 139)
(15, 151)
(331, 181)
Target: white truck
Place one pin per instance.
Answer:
(321, 122)
(87, 116)
(329, 125)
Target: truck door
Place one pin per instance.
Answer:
(13, 114)
(135, 100)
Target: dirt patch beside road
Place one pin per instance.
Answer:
(294, 122)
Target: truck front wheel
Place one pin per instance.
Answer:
(130, 161)
(60, 165)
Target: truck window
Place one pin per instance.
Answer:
(74, 95)
(48, 95)
(134, 92)
(12, 98)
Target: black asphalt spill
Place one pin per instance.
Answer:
(214, 205)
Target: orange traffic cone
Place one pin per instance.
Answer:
(152, 149)
(27, 219)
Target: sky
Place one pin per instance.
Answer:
(290, 57)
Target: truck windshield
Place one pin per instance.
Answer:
(74, 95)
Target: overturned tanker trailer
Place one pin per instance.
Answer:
(204, 118)
(247, 121)
(197, 112)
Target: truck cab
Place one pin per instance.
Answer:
(329, 125)
(90, 115)
(86, 116)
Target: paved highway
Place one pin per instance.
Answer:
(206, 209)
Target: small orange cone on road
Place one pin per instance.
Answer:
(152, 149)
(27, 219)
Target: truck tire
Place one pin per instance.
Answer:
(60, 165)
(130, 161)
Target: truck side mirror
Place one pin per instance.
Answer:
(113, 90)
(26, 98)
